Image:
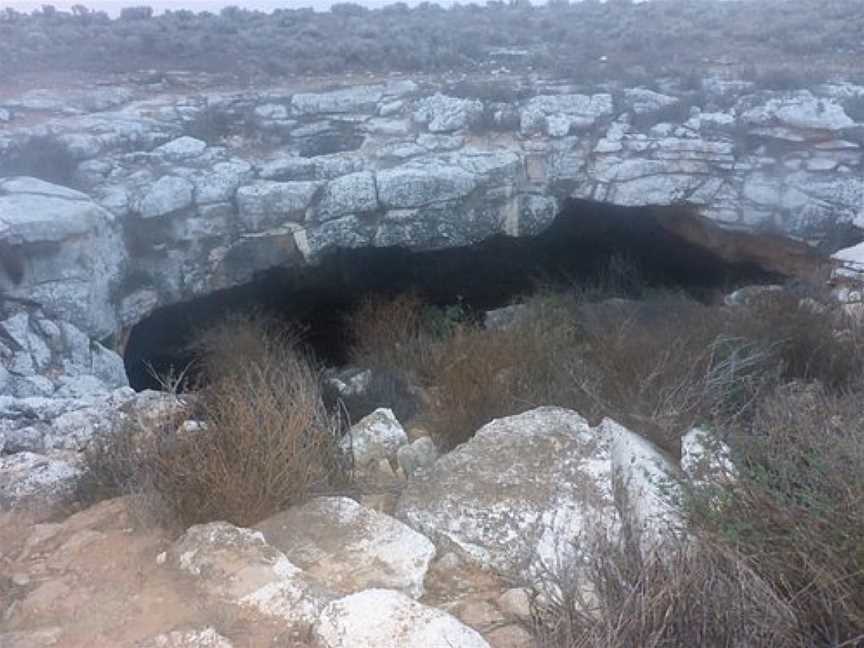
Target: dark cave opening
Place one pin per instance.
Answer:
(575, 248)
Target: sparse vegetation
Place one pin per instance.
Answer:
(592, 41)
(775, 558)
(41, 157)
(262, 439)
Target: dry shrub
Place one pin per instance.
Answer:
(797, 511)
(805, 336)
(390, 333)
(386, 388)
(662, 365)
(480, 375)
(266, 442)
(698, 595)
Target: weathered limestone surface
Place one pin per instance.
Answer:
(159, 215)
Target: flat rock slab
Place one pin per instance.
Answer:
(346, 547)
(516, 495)
(199, 638)
(380, 618)
(239, 567)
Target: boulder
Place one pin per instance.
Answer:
(420, 454)
(556, 115)
(180, 149)
(705, 459)
(34, 211)
(642, 100)
(516, 496)
(649, 482)
(379, 618)
(265, 203)
(356, 99)
(169, 194)
(374, 437)
(423, 183)
(238, 567)
(443, 114)
(220, 183)
(29, 479)
(800, 110)
(354, 193)
(347, 548)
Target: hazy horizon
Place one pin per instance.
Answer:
(113, 7)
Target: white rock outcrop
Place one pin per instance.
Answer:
(345, 547)
(376, 436)
(238, 566)
(518, 493)
(380, 618)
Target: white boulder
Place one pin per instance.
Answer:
(376, 436)
(380, 618)
(516, 496)
(346, 547)
(237, 566)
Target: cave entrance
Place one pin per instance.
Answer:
(575, 248)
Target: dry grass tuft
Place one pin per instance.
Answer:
(684, 596)
(265, 441)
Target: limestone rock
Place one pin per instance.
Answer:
(29, 479)
(220, 183)
(374, 437)
(354, 193)
(800, 110)
(378, 618)
(420, 454)
(516, 603)
(422, 184)
(182, 148)
(556, 115)
(644, 101)
(290, 167)
(167, 195)
(518, 493)
(265, 203)
(347, 548)
(356, 99)
(706, 459)
(650, 487)
(443, 114)
(511, 636)
(33, 211)
(197, 638)
(41, 638)
(239, 567)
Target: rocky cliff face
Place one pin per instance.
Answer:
(179, 196)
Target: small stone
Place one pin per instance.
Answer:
(417, 455)
(374, 437)
(197, 638)
(449, 561)
(515, 603)
(378, 618)
(511, 636)
(20, 579)
(162, 558)
(480, 615)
